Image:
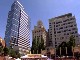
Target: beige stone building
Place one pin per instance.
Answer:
(61, 28)
(2, 42)
(39, 32)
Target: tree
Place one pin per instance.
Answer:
(1, 50)
(12, 53)
(42, 44)
(17, 54)
(37, 45)
(63, 46)
(6, 51)
(71, 41)
(69, 45)
(34, 46)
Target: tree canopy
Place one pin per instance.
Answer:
(37, 46)
(69, 45)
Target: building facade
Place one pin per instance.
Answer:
(18, 27)
(39, 32)
(2, 42)
(79, 38)
(61, 28)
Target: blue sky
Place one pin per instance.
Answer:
(40, 10)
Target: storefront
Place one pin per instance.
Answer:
(34, 57)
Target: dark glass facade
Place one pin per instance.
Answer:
(18, 27)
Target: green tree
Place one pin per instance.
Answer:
(6, 51)
(37, 45)
(34, 46)
(42, 44)
(71, 41)
(63, 46)
(1, 50)
(17, 54)
(69, 45)
(12, 53)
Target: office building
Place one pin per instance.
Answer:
(18, 28)
(61, 28)
(2, 42)
(39, 32)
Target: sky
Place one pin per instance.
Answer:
(40, 10)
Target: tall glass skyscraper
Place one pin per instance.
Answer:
(18, 27)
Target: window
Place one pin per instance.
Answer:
(39, 30)
(64, 24)
(75, 31)
(66, 27)
(59, 32)
(49, 23)
(55, 39)
(62, 37)
(50, 34)
(56, 25)
(64, 21)
(64, 33)
(54, 32)
(75, 25)
(73, 28)
(72, 18)
(54, 29)
(50, 27)
(55, 42)
(64, 30)
(69, 30)
(58, 22)
(76, 36)
(72, 32)
(61, 28)
(67, 33)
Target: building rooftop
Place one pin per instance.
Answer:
(68, 15)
